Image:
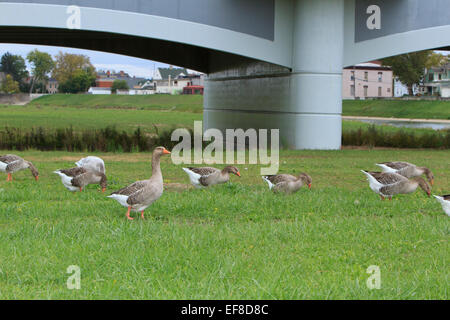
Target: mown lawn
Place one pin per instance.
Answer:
(420, 109)
(190, 103)
(194, 103)
(51, 117)
(234, 241)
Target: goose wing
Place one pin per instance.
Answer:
(397, 165)
(132, 188)
(386, 178)
(73, 172)
(204, 171)
(277, 178)
(8, 158)
(149, 193)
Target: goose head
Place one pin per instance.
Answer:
(423, 185)
(231, 169)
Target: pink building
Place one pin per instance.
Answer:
(367, 80)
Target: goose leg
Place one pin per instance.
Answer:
(128, 214)
(142, 215)
(382, 198)
(9, 177)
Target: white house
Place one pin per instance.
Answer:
(99, 90)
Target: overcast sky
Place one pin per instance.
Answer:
(101, 60)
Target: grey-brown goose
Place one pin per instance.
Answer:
(445, 202)
(208, 176)
(287, 183)
(406, 169)
(11, 163)
(77, 178)
(389, 184)
(141, 194)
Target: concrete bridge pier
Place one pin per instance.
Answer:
(304, 102)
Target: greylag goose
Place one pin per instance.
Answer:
(389, 184)
(287, 183)
(77, 178)
(208, 176)
(92, 163)
(141, 194)
(11, 163)
(406, 169)
(445, 202)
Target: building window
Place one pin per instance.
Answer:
(380, 76)
(365, 90)
(366, 75)
(440, 76)
(352, 75)
(388, 90)
(352, 90)
(430, 77)
(379, 91)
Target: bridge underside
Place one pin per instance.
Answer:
(180, 54)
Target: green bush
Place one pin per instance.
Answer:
(374, 137)
(108, 139)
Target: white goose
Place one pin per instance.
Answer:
(92, 163)
(445, 202)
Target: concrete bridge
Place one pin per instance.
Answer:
(270, 63)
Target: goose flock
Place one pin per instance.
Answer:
(395, 178)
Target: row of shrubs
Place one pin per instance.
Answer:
(110, 139)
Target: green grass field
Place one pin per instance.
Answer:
(420, 109)
(233, 241)
(194, 103)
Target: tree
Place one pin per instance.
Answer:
(410, 67)
(67, 65)
(9, 85)
(80, 81)
(119, 85)
(41, 65)
(14, 65)
(435, 60)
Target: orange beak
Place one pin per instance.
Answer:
(238, 174)
(103, 189)
(309, 185)
(165, 151)
(429, 193)
(37, 178)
